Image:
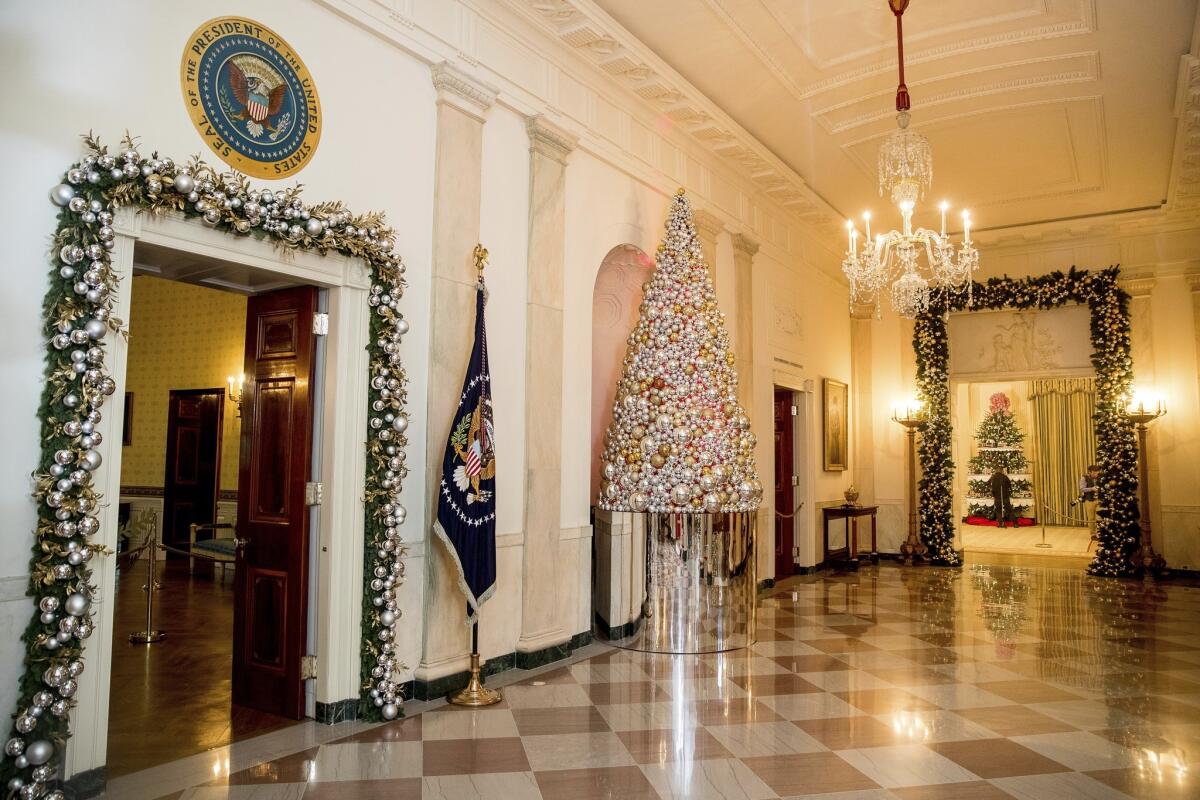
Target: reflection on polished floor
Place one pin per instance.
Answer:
(172, 699)
(986, 682)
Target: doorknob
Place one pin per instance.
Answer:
(240, 543)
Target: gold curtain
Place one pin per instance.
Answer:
(1064, 443)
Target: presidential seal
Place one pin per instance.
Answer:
(251, 97)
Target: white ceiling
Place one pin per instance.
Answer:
(1037, 110)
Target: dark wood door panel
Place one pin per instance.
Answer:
(270, 610)
(785, 494)
(191, 474)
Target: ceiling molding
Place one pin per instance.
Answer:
(590, 31)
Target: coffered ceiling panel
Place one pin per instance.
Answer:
(1037, 110)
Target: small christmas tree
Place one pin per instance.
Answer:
(999, 442)
(679, 441)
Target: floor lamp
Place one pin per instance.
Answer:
(912, 416)
(1141, 412)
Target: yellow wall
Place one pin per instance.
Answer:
(180, 337)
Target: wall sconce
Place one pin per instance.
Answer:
(236, 385)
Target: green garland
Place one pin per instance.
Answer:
(78, 316)
(1116, 445)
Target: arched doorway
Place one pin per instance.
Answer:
(615, 300)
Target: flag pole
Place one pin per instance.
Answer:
(475, 693)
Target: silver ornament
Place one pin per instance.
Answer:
(61, 195)
(313, 227)
(91, 460)
(95, 329)
(39, 752)
(389, 710)
(184, 183)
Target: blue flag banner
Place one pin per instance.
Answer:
(466, 517)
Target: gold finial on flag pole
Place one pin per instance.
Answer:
(481, 257)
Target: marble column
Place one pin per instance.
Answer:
(462, 103)
(708, 227)
(542, 621)
(744, 249)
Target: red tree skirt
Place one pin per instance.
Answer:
(1022, 522)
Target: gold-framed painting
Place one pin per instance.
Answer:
(836, 417)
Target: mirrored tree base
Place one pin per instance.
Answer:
(689, 585)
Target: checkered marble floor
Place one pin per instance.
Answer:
(989, 682)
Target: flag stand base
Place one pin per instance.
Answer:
(475, 693)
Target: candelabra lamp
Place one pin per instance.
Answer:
(912, 416)
(1141, 411)
(237, 385)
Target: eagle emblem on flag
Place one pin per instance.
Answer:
(472, 443)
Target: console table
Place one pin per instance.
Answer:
(851, 514)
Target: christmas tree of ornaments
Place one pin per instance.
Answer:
(679, 441)
(1000, 447)
(1116, 444)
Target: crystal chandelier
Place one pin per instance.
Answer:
(905, 174)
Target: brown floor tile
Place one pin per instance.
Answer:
(841, 644)
(558, 721)
(1014, 720)
(997, 758)
(609, 783)
(974, 790)
(881, 701)
(808, 773)
(811, 663)
(632, 692)
(946, 639)
(397, 789)
(1137, 783)
(731, 712)
(912, 676)
(1162, 710)
(472, 756)
(765, 634)
(560, 675)
(649, 747)
(289, 769)
(927, 656)
(1158, 645)
(844, 733)
(401, 730)
(779, 683)
(1027, 691)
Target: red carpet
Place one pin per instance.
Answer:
(1022, 522)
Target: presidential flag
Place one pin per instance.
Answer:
(466, 518)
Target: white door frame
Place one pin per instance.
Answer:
(343, 427)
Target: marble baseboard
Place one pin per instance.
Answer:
(337, 711)
(609, 633)
(86, 785)
(440, 687)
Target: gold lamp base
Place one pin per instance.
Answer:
(475, 693)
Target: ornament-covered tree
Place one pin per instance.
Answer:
(1000, 445)
(679, 441)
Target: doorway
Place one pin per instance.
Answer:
(226, 506)
(1022, 448)
(786, 483)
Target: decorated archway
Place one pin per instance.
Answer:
(1115, 443)
(78, 316)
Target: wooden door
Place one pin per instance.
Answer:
(785, 491)
(191, 478)
(270, 609)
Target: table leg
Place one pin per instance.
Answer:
(874, 540)
(825, 533)
(852, 540)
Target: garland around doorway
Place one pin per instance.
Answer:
(1116, 445)
(78, 312)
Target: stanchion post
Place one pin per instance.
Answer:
(150, 635)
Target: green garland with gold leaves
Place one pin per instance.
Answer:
(78, 313)
(1116, 445)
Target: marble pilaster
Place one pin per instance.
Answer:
(462, 103)
(744, 249)
(542, 623)
(708, 227)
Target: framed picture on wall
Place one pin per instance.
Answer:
(835, 414)
(127, 421)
